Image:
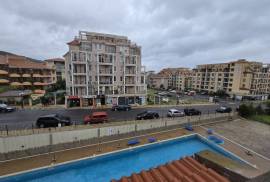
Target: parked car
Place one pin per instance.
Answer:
(191, 112)
(96, 117)
(53, 120)
(224, 109)
(121, 108)
(6, 108)
(147, 115)
(175, 113)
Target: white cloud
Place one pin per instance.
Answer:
(172, 33)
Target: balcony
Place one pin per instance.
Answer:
(105, 82)
(26, 83)
(4, 81)
(3, 72)
(37, 75)
(14, 75)
(40, 84)
(26, 75)
(106, 62)
(15, 84)
(105, 72)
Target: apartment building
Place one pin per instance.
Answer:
(104, 69)
(25, 73)
(239, 78)
(159, 81)
(178, 78)
(59, 64)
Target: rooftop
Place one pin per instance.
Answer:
(186, 169)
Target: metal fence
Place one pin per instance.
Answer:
(67, 137)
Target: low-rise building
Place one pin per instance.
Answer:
(104, 69)
(25, 73)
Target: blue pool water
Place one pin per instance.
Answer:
(124, 163)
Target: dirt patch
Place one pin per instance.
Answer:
(251, 134)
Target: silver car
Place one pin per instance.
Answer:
(175, 113)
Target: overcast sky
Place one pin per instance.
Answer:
(172, 33)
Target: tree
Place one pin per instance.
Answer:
(221, 93)
(161, 86)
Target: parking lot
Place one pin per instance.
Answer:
(23, 119)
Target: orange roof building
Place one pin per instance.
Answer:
(183, 170)
(25, 73)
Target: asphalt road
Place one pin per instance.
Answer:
(23, 119)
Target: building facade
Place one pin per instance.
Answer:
(240, 78)
(178, 78)
(104, 69)
(59, 64)
(158, 81)
(26, 74)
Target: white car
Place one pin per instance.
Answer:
(175, 113)
(6, 108)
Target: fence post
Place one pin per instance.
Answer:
(33, 128)
(7, 129)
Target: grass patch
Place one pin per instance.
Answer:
(261, 118)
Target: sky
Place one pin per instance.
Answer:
(172, 33)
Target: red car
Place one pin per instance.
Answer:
(96, 117)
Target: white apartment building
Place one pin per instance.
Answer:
(104, 69)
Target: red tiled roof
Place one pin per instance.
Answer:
(184, 170)
(74, 42)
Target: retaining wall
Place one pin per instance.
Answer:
(18, 146)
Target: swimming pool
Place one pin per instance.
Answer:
(123, 163)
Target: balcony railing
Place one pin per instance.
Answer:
(14, 75)
(105, 82)
(105, 71)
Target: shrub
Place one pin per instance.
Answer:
(246, 110)
(259, 110)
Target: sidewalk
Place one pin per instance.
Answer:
(108, 106)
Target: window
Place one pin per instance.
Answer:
(114, 78)
(121, 78)
(115, 68)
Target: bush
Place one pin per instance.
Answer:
(246, 110)
(259, 110)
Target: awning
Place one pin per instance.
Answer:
(3, 72)
(4, 81)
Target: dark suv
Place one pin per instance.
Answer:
(121, 108)
(224, 109)
(147, 115)
(53, 120)
(191, 112)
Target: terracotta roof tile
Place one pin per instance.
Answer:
(75, 42)
(184, 170)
